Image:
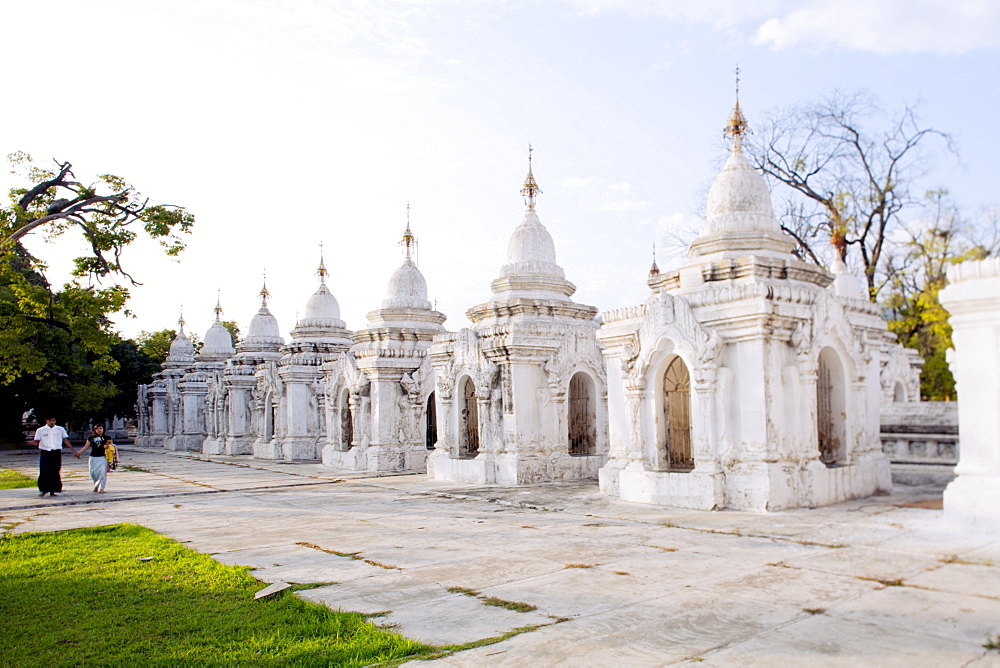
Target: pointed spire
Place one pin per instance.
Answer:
(180, 322)
(654, 270)
(737, 125)
(530, 189)
(408, 242)
(218, 305)
(264, 294)
(321, 272)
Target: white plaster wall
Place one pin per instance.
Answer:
(973, 299)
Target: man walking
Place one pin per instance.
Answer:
(50, 440)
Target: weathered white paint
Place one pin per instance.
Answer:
(750, 321)
(973, 299)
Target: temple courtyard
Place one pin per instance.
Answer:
(882, 581)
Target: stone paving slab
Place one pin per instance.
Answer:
(662, 585)
(832, 642)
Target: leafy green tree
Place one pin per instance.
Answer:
(134, 368)
(57, 344)
(156, 344)
(917, 271)
(234, 331)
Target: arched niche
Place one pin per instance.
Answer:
(431, 427)
(582, 415)
(899, 393)
(468, 419)
(676, 415)
(269, 415)
(346, 421)
(831, 408)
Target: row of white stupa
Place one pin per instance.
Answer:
(747, 379)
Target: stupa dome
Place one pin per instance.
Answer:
(407, 288)
(264, 327)
(181, 347)
(531, 251)
(181, 352)
(739, 200)
(218, 342)
(264, 335)
(531, 271)
(321, 321)
(322, 305)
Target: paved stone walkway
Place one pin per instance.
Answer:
(879, 582)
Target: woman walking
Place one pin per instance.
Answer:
(97, 442)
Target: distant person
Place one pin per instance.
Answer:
(50, 440)
(99, 446)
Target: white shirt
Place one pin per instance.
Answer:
(50, 438)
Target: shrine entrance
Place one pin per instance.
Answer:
(830, 408)
(431, 433)
(582, 415)
(677, 416)
(269, 415)
(469, 421)
(346, 424)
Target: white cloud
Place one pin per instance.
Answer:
(887, 27)
(720, 14)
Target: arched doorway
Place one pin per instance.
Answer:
(830, 408)
(269, 414)
(432, 426)
(469, 427)
(677, 416)
(582, 415)
(346, 423)
(899, 393)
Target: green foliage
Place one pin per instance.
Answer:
(234, 330)
(917, 274)
(106, 213)
(104, 606)
(156, 344)
(58, 348)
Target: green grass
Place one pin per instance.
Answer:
(84, 597)
(14, 480)
(351, 555)
(516, 606)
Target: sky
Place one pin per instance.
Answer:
(284, 124)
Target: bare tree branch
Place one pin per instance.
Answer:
(842, 178)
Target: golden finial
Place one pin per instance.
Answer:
(218, 304)
(654, 270)
(408, 242)
(180, 320)
(321, 272)
(737, 125)
(264, 294)
(530, 189)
